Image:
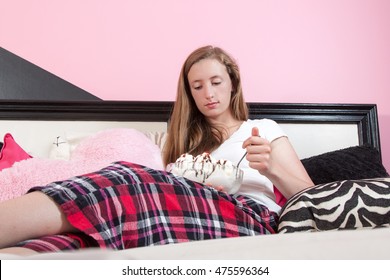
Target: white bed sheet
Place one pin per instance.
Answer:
(362, 244)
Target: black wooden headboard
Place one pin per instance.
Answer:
(364, 115)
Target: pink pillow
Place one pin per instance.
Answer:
(11, 152)
(118, 144)
(91, 154)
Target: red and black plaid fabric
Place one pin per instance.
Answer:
(127, 205)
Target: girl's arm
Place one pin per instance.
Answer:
(277, 161)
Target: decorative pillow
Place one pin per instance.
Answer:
(120, 144)
(65, 144)
(60, 149)
(93, 153)
(23, 175)
(358, 162)
(157, 137)
(348, 204)
(11, 152)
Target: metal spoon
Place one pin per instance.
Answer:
(238, 164)
(241, 159)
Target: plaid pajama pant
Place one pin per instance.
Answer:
(126, 205)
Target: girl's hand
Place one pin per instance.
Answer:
(218, 188)
(258, 152)
(277, 161)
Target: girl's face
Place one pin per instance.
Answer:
(211, 89)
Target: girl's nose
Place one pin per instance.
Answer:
(209, 92)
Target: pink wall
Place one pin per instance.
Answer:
(334, 51)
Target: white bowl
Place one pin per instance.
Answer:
(229, 177)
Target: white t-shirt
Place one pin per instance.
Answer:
(254, 185)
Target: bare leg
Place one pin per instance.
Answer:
(20, 251)
(30, 216)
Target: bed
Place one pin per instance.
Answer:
(317, 131)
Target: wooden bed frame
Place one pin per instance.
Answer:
(363, 116)
(322, 245)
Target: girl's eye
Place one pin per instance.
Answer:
(197, 87)
(215, 83)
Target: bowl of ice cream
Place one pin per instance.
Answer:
(207, 170)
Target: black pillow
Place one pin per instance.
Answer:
(353, 163)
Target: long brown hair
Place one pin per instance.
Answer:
(188, 129)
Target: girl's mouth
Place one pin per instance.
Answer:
(212, 105)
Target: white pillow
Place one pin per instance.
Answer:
(63, 146)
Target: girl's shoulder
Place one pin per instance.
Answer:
(268, 128)
(261, 122)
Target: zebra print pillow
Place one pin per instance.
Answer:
(348, 204)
